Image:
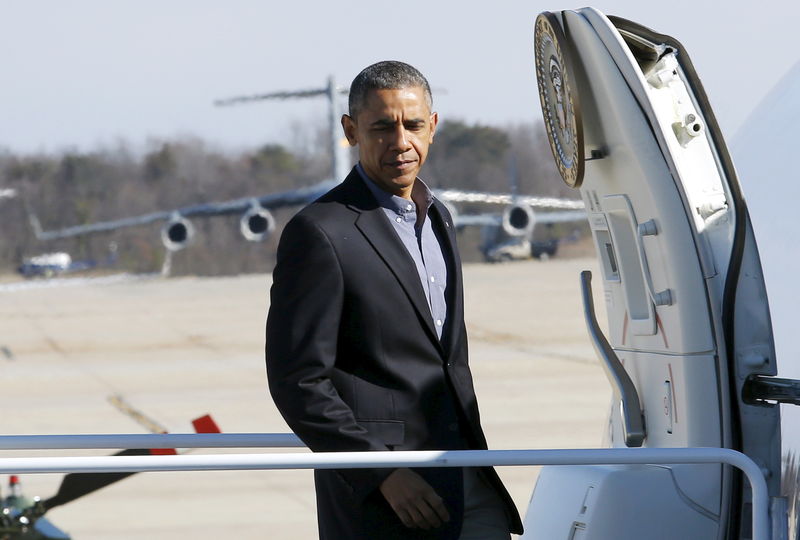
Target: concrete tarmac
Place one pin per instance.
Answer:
(176, 349)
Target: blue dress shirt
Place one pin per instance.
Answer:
(415, 231)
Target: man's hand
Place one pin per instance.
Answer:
(414, 500)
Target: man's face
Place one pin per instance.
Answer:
(393, 131)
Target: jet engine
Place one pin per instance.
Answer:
(177, 233)
(518, 220)
(257, 224)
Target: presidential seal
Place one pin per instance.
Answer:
(560, 105)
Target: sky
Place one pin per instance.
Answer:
(86, 74)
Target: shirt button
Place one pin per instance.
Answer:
(433, 279)
(438, 322)
(398, 219)
(408, 207)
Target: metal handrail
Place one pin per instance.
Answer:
(160, 440)
(352, 460)
(621, 384)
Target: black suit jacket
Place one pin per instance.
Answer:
(354, 362)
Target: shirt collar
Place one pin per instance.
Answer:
(396, 204)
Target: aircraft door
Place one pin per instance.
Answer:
(630, 127)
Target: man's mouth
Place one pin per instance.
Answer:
(401, 163)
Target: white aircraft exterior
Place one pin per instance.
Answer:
(763, 150)
(689, 349)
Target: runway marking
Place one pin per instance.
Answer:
(142, 419)
(54, 345)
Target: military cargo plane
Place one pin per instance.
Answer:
(518, 218)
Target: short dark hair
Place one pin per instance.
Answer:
(389, 74)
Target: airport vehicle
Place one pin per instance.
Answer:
(45, 265)
(511, 249)
(689, 349)
(520, 248)
(54, 264)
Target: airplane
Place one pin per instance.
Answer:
(23, 518)
(765, 132)
(510, 237)
(257, 223)
(689, 349)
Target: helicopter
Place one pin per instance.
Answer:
(23, 518)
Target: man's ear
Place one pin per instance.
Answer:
(434, 122)
(349, 127)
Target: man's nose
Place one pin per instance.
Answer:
(400, 139)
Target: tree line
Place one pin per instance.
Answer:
(73, 188)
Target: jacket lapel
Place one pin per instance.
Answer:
(372, 223)
(455, 297)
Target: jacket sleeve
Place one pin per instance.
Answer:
(306, 302)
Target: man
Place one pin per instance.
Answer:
(366, 344)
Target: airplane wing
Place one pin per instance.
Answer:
(454, 195)
(257, 222)
(497, 220)
(688, 350)
(519, 216)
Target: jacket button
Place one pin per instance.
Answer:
(453, 426)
